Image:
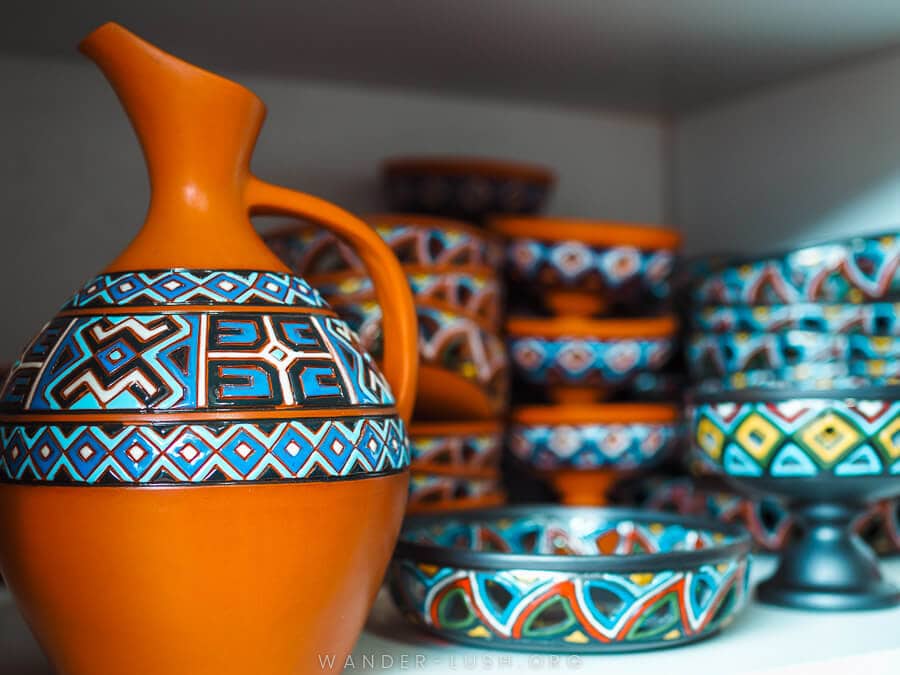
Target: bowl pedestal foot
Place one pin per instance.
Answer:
(828, 567)
(583, 487)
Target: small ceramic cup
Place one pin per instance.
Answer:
(583, 449)
(583, 360)
(417, 240)
(586, 268)
(463, 369)
(469, 449)
(467, 188)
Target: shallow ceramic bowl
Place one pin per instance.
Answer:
(711, 355)
(581, 360)
(456, 448)
(473, 292)
(590, 267)
(467, 188)
(463, 369)
(417, 240)
(877, 318)
(440, 492)
(861, 269)
(563, 579)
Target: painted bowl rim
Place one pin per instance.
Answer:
(617, 413)
(604, 233)
(424, 221)
(643, 562)
(728, 260)
(662, 327)
(763, 395)
(461, 165)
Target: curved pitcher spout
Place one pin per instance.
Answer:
(197, 131)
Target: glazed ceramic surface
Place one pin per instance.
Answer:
(828, 454)
(616, 436)
(588, 353)
(161, 434)
(813, 376)
(471, 189)
(610, 261)
(416, 240)
(862, 269)
(562, 579)
(460, 448)
(710, 355)
(800, 438)
(464, 372)
(474, 292)
(877, 318)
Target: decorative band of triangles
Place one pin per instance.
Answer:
(195, 287)
(203, 452)
(800, 438)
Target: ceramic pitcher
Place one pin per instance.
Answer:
(202, 471)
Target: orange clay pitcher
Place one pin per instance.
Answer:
(202, 471)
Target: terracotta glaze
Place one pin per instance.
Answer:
(199, 462)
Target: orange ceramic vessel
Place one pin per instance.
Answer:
(155, 517)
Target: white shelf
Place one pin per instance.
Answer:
(763, 640)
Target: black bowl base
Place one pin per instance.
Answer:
(878, 595)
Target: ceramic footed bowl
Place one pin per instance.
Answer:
(473, 292)
(467, 188)
(582, 449)
(439, 492)
(876, 318)
(456, 448)
(563, 579)
(581, 360)
(827, 454)
(861, 269)
(463, 369)
(711, 355)
(417, 240)
(589, 268)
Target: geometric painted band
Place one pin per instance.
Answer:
(204, 452)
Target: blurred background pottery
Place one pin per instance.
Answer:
(711, 355)
(472, 292)
(877, 318)
(580, 360)
(417, 240)
(471, 189)
(456, 448)
(563, 579)
(195, 413)
(860, 269)
(827, 454)
(463, 370)
(586, 268)
(581, 450)
(430, 492)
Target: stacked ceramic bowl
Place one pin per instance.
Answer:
(452, 269)
(591, 319)
(794, 358)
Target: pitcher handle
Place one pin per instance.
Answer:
(400, 331)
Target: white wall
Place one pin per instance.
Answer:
(814, 159)
(75, 188)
